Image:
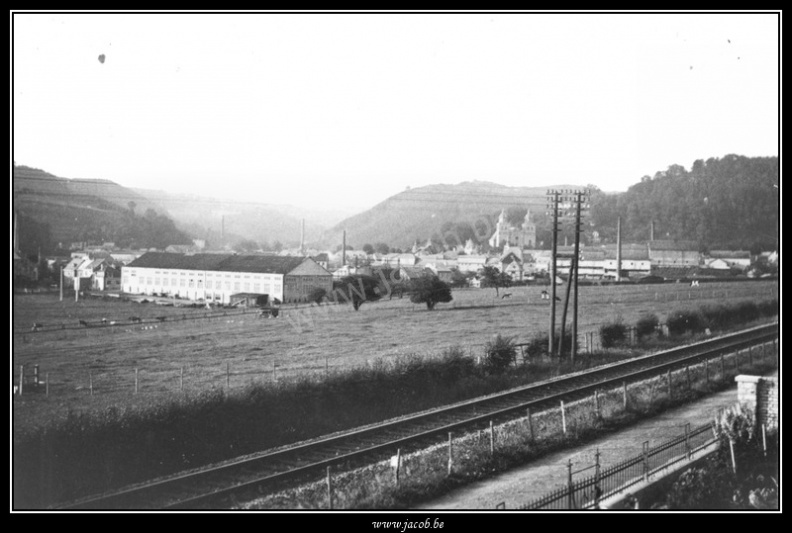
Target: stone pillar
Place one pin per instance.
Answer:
(760, 394)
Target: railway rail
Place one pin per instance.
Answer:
(215, 486)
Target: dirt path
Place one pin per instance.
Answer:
(519, 486)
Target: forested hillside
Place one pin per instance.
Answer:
(722, 203)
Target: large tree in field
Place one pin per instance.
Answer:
(357, 290)
(492, 277)
(429, 290)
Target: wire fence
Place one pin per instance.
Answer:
(588, 491)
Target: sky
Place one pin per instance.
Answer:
(342, 111)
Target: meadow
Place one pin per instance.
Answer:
(198, 353)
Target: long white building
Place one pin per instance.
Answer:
(217, 277)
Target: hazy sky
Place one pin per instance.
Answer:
(348, 109)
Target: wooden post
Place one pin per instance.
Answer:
(737, 361)
(764, 439)
(646, 460)
(687, 441)
(723, 367)
(530, 423)
(398, 465)
(228, 376)
(21, 378)
(136, 381)
(327, 366)
(597, 489)
(563, 417)
(274, 371)
(670, 391)
(450, 453)
(570, 486)
(706, 370)
(750, 355)
(329, 489)
(596, 401)
(687, 373)
(46, 384)
(181, 379)
(90, 382)
(492, 438)
(734, 462)
(624, 395)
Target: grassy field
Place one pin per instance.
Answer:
(240, 350)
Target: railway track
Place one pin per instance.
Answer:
(216, 486)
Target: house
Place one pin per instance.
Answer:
(322, 260)
(107, 277)
(738, 259)
(348, 270)
(397, 260)
(217, 277)
(716, 264)
(409, 273)
(668, 253)
(471, 263)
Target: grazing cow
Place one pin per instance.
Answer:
(84, 323)
(135, 319)
(36, 326)
(545, 296)
(694, 283)
(506, 295)
(104, 321)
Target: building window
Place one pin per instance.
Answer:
(192, 284)
(236, 286)
(182, 283)
(209, 284)
(257, 287)
(247, 286)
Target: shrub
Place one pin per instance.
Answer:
(680, 322)
(499, 353)
(612, 334)
(540, 344)
(768, 307)
(717, 316)
(647, 325)
(747, 311)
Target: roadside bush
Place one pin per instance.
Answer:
(455, 364)
(679, 322)
(647, 325)
(768, 307)
(612, 334)
(717, 316)
(499, 353)
(747, 311)
(540, 344)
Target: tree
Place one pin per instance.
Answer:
(369, 249)
(458, 278)
(358, 289)
(246, 245)
(317, 294)
(381, 248)
(499, 353)
(492, 277)
(277, 246)
(429, 290)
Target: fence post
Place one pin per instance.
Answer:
(450, 453)
(750, 355)
(530, 423)
(46, 386)
(398, 465)
(90, 382)
(737, 361)
(597, 489)
(563, 418)
(228, 376)
(136, 381)
(687, 441)
(274, 371)
(329, 489)
(706, 370)
(624, 395)
(596, 401)
(723, 367)
(570, 486)
(21, 378)
(492, 438)
(646, 460)
(181, 379)
(670, 390)
(734, 462)
(687, 374)
(764, 439)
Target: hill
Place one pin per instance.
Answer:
(53, 210)
(442, 212)
(722, 203)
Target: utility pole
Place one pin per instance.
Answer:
(618, 249)
(61, 283)
(577, 275)
(551, 340)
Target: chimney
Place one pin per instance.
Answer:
(302, 237)
(618, 250)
